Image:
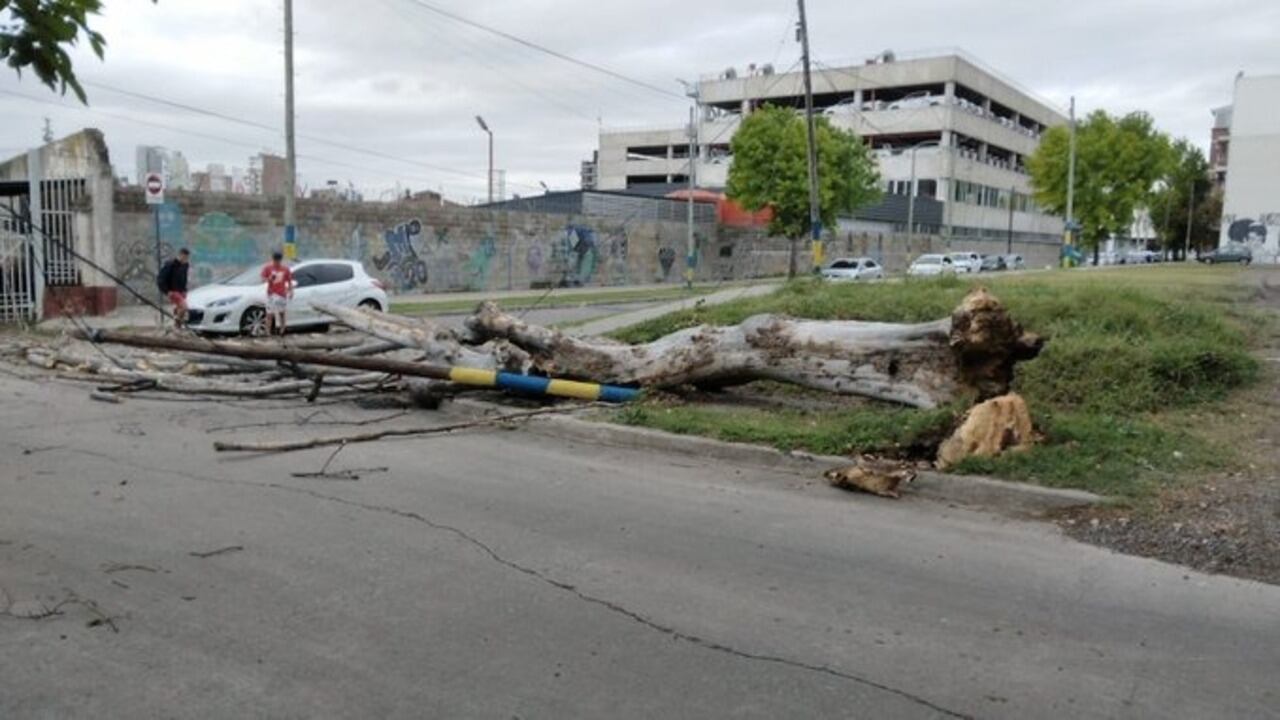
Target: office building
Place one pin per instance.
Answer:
(971, 128)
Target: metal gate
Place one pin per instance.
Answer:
(39, 255)
(19, 289)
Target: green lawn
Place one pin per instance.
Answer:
(1131, 351)
(555, 298)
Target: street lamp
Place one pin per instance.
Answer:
(911, 188)
(691, 242)
(545, 189)
(480, 121)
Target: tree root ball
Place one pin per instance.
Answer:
(989, 429)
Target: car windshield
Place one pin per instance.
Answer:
(843, 265)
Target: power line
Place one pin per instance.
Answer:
(263, 126)
(548, 51)
(456, 41)
(194, 133)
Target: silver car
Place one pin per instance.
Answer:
(858, 268)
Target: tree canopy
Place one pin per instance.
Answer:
(35, 34)
(1186, 189)
(1118, 162)
(770, 170)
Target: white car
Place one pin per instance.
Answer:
(967, 262)
(239, 303)
(927, 265)
(1014, 262)
(859, 268)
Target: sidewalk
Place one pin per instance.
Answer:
(627, 319)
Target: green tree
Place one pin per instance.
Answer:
(35, 34)
(770, 170)
(1118, 161)
(1186, 189)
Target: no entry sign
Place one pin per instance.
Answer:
(153, 187)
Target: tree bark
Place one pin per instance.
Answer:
(438, 343)
(970, 354)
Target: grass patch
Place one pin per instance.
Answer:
(556, 298)
(898, 432)
(1128, 350)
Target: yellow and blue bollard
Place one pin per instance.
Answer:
(537, 385)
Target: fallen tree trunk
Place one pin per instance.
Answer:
(972, 353)
(438, 343)
(257, 351)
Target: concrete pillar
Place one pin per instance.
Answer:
(982, 151)
(857, 99)
(949, 91)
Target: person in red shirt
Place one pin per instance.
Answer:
(279, 280)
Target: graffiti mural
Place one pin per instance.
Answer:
(400, 261)
(576, 256)
(220, 246)
(1261, 235)
(480, 262)
(666, 261)
(617, 273)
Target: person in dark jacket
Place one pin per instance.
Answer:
(172, 281)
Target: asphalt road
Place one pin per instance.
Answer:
(505, 575)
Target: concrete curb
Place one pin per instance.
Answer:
(979, 492)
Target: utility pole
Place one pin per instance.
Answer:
(1013, 191)
(290, 156)
(691, 242)
(485, 127)
(1071, 178)
(1191, 208)
(815, 210)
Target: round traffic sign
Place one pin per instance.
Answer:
(155, 185)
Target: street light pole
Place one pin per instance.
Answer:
(1071, 180)
(815, 210)
(1191, 207)
(485, 127)
(291, 158)
(691, 240)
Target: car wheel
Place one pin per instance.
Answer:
(370, 305)
(254, 322)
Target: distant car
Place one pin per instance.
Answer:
(968, 262)
(993, 263)
(859, 268)
(918, 99)
(1139, 257)
(1014, 262)
(930, 265)
(238, 304)
(1231, 253)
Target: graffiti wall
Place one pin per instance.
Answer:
(424, 248)
(413, 248)
(1260, 233)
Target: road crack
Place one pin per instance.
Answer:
(622, 610)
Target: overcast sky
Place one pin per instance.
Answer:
(391, 78)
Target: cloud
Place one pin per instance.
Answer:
(401, 81)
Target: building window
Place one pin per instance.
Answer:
(927, 188)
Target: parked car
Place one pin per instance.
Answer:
(238, 304)
(968, 262)
(1230, 253)
(1014, 262)
(928, 265)
(1139, 257)
(993, 263)
(859, 268)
